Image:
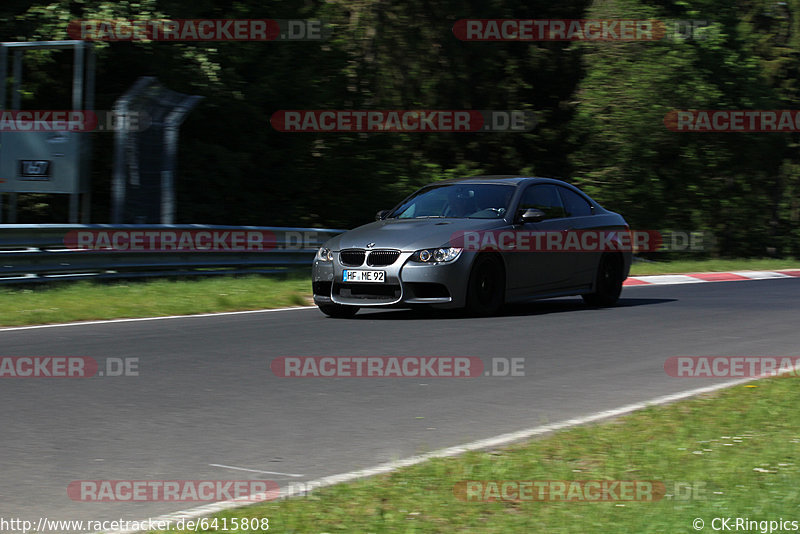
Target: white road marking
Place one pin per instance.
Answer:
(254, 470)
(136, 319)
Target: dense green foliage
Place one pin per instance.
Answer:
(600, 108)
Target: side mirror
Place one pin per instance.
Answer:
(381, 215)
(532, 215)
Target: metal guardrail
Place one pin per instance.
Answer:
(45, 253)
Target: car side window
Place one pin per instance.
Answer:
(544, 198)
(574, 204)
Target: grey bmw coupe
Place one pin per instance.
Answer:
(477, 243)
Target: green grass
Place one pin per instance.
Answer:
(80, 301)
(741, 446)
(721, 265)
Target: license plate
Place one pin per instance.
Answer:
(363, 276)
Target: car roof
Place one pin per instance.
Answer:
(503, 179)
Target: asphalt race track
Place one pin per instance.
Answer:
(205, 393)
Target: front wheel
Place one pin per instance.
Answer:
(486, 287)
(608, 285)
(338, 311)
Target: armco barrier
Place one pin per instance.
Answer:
(44, 253)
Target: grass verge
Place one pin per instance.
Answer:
(81, 301)
(734, 453)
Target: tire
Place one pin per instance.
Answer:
(486, 287)
(608, 284)
(338, 311)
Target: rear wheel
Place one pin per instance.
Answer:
(608, 284)
(338, 311)
(486, 287)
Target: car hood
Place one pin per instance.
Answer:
(410, 234)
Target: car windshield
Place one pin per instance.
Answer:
(462, 201)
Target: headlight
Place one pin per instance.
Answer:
(436, 255)
(324, 254)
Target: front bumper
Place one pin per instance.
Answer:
(407, 284)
